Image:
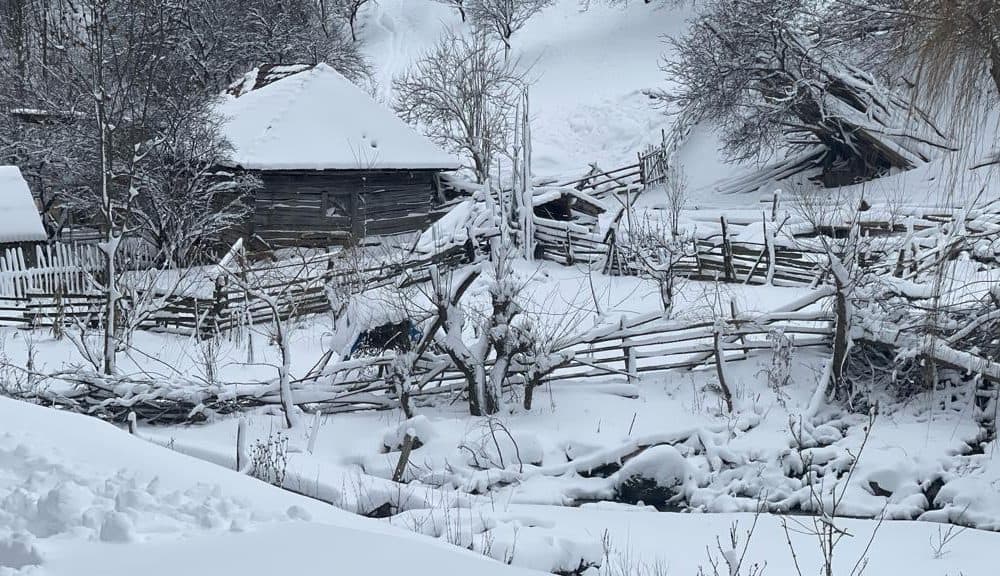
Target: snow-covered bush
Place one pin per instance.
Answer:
(418, 427)
(659, 476)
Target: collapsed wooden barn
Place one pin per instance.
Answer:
(335, 165)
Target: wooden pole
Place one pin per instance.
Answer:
(727, 253)
(404, 459)
(629, 353)
(733, 314)
(720, 369)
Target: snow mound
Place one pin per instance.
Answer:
(70, 486)
(499, 448)
(419, 427)
(657, 476)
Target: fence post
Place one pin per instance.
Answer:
(219, 301)
(733, 314)
(629, 352)
(768, 252)
(898, 270)
(642, 170)
(727, 253)
(570, 258)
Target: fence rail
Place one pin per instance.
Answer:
(57, 289)
(628, 348)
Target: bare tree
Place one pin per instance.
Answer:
(846, 275)
(501, 341)
(113, 102)
(772, 74)
(349, 10)
(503, 18)
(956, 43)
(459, 5)
(215, 41)
(188, 201)
(463, 94)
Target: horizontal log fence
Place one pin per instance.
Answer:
(630, 347)
(568, 243)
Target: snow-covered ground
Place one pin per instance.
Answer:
(75, 492)
(82, 497)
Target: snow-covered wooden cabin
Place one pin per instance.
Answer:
(20, 223)
(335, 164)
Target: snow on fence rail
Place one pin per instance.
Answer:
(297, 294)
(629, 347)
(567, 242)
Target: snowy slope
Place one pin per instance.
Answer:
(74, 490)
(589, 70)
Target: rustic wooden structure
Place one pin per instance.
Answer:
(626, 348)
(335, 166)
(20, 222)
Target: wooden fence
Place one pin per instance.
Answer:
(627, 348)
(58, 289)
(709, 258)
(56, 268)
(567, 242)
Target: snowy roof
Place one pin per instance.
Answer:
(19, 218)
(313, 118)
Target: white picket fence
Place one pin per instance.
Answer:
(57, 269)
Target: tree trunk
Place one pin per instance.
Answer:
(841, 344)
(529, 393)
(284, 371)
(995, 65)
(720, 369)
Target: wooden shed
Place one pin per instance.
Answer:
(335, 164)
(20, 223)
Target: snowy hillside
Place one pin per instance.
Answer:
(77, 492)
(590, 68)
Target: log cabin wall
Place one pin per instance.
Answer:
(318, 208)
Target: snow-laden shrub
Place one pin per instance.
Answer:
(659, 476)
(419, 427)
